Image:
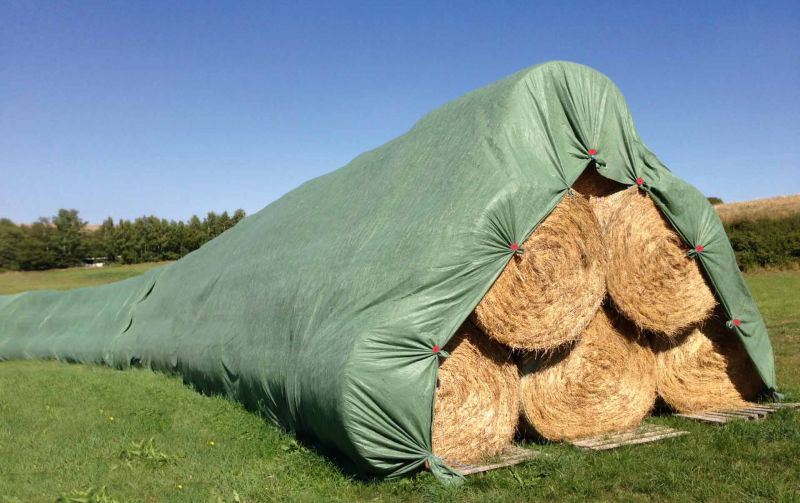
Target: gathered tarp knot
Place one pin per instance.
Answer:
(592, 156)
(440, 352)
(696, 251)
(442, 472)
(736, 324)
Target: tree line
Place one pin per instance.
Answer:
(65, 241)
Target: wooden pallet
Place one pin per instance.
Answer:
(641, 435)
(513, 455)
(754, 412)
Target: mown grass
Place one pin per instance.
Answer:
(57, 436)
(74, 277)
(769, 208)
(778, 298)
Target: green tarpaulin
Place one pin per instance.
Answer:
(322, 309)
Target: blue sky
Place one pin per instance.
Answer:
(174, 108)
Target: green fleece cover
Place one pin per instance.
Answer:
(322, 310)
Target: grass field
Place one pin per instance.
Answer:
(773, 207)
(70, 429)
(64, 279)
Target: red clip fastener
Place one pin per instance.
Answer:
(592, 152)
(640, 181)
(737, 322)
(435, 348)
(699, 248)
(514, 247)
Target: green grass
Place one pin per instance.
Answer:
(778, 298)
(64, 279)
(168, 443)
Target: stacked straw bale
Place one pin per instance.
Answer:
(651, 279)
(546, 296)
(654, 283)
(705, 368)
(477, 398)
(605, 383)
(587, 367)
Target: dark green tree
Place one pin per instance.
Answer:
(196, 233)
(36, 246)
(10, 237)
(68, 242)
(104, 239)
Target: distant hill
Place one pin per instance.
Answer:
(772, 207)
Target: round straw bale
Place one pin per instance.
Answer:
(606, 382)
(651, 279)
(477, 398)
(546, 296)
(601, 192)
(706, 368)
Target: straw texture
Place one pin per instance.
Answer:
(477, 398)
(605, 383)
(549, 294)
(601, 193)
(706, 368)
(651, 279)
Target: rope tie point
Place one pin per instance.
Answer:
(640, 181)
(696, 251)
(592, 152)
(435, 348)
(737, 322)
(514, 247)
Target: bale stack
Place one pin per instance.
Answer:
(652, 281)
(544, 300)
(589, 367)
(585, 370)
